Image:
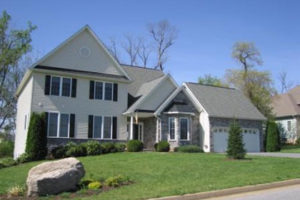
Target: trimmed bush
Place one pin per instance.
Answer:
(273, 137)
(58, 152)
(94, 185)
(75, 151)
(24, 158)
(7, 162)
(162, 146)
(108, 147)
(189, 149)
(134, 146)
(92, 147)
(6, 148)
(36, 143)
(235, 146)
(120, 147)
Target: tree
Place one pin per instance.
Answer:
(211, 80)
(164, 35)
(235, 146)
(259, 88)
(273, 137)
(36, 143)
(14, 44)
(144, 52)
(131, 47)
(284, 83)
(113, 48)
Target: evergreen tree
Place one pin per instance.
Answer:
(235, 147)
(273, 137)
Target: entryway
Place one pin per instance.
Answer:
(138, 131)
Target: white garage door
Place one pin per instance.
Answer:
(250, 139)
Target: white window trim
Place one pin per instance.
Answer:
(60, 85)
(188, 128)
(169, 126)
(58, 125)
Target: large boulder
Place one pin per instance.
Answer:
(54, 177)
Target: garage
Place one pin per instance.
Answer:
(250, 139)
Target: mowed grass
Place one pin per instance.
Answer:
(290, 149)
(164, 174)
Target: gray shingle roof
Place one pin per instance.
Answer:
(225, 102)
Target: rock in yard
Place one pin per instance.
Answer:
(54, 177)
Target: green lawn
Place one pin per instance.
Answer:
(163, 174)
(290, 149)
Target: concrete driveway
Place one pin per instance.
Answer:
(282, 193)
(274, 154)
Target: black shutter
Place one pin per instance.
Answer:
(74, 87)
(91, 125)
(114, 134)
(46, 122)
(72, 125)
(115, 92)
(92, 88)
(47, 84)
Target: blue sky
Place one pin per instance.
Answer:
(207, 29)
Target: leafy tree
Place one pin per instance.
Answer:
(36, 143)
(211, 80)
(14, 44)
(235, 146)
(273, 137)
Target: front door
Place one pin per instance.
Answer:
(138, 131)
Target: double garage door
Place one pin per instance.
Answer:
(250, 138)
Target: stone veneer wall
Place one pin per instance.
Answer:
(224, 122)
(149, 132)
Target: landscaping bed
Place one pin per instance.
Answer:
(163, 174)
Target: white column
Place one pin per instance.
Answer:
(131, 128)
(157, 130)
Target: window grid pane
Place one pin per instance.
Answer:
(97, 127)
(172, 128)
(66, 87)
(53, 118)
(98, 90)
(108, 91)
(64, 125)
(183, 129)
(107, 128)
(55, 84)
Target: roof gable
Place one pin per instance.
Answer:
(83, 51)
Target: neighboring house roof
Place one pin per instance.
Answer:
(287, 104)
(224, 102)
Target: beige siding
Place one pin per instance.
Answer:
(158, 96)
(81, 106)
(23, 109)
(69, 56)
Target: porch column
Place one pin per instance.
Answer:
(131, 128)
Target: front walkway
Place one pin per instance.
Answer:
(275, 154)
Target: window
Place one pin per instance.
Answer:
(183, 128)
(108, 91)
(289, 125)
(107, 128)
(172, 128)
(97, 127)
(98, 90)
(55, 85)
(52, 124)
(25, 122)
(66, 87)
(64, 125)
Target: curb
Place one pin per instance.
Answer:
(231, 191)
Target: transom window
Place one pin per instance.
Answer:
(172, 128)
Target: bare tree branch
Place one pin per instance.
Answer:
(284, 83)
(113, 48)
(131, 46)
(144, 51)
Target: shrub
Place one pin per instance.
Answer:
(92, 147)
(58, 152)
(120, 147)
(298, 141)
(7, 162)
(189, 149)
(75, 151)
(36, 143)
(94, 185)
(235, 146)
(108, 147)
(85, 182)
(155, 146)
(24, 158)
(273, 137)
(16, 191)
(163, 146)
(6, 148)
(134, 146)
(115, 181)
